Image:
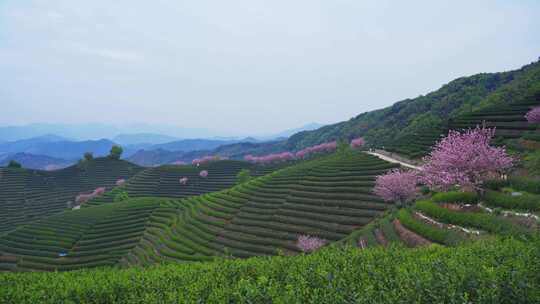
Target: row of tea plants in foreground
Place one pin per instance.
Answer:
(498, 270)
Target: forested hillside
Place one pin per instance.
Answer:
(423, 114)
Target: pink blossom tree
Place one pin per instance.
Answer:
(205, 159)
(396, 186)
(465, 160)
(270, 158)
(357, 142)
(83, 198)
(321, 148)
(308, 243)
(183, 180)
(533, 116)
(203, 173)
(120, 182)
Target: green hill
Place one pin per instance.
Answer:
(327, 197)
(412, 121)
(164, 181)
(28, 195)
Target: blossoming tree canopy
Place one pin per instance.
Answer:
(203, 173)
(83, 198)
(270, 158)
(120, 182)
(206, 159)
(183, 180)
(533, 116)
(357, 142)
(465, 159)
(308, 243)
(396, 186)
(324, 147)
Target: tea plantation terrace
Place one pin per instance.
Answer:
(327, 197)
(28, 195)
(164, 181)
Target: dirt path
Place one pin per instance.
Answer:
(393, 160)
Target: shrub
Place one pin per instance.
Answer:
(533, 116)
(88, 156)
(397, 186)
(526, 201)
(14, 164)
(482, 221)
(116, 152)
(496, 184)
(121, 196)
(308, 243)
(525, 184)
(430, 232)
(183, 180)
(358, 142)
(243, 176)
(455, 197)
(532, 162)
(464, 159)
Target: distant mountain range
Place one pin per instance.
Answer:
(31, 161)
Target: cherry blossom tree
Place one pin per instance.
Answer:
(203, 173)
(120, 182)
(465, 160)
(308, 243)
(270, 158)
(321, 148)
(397, 186)
(83, 198)
(357, 142)
(183, 180)
(205, 159)
(533, 116)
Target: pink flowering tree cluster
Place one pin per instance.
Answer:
(533, 116)
(183, 180)
(464, 159)
(397, 186)
(203, 173)
(120, 182)
(270, 158)
(308, 243)
(206, 159)
(83, 198)
(322, 148)
(358, 142)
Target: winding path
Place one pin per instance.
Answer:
(393, 160)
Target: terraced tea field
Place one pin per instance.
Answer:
(328, 197)
(164, 181)
(508, 119)
(28, 195)
(455, 217)
(416, 145)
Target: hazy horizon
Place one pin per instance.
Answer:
(245, 67)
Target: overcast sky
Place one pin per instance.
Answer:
(246, 67)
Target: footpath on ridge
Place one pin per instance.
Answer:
(392, 158)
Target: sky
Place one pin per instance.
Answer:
(242, 67)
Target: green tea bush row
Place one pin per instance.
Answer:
(496, 271)
(526, 201)
(455, 197)
(484, 221)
